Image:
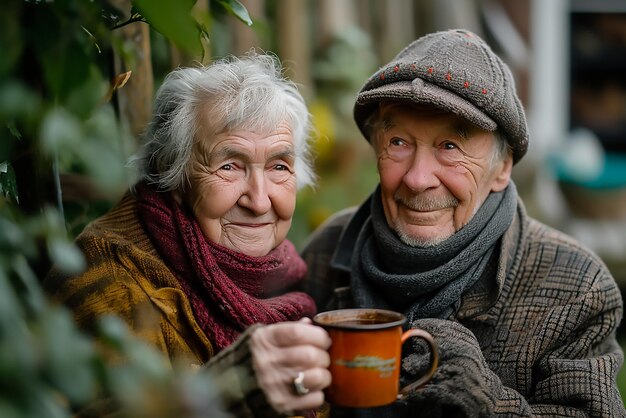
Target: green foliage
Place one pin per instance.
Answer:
(54, 71)
(48, 368)
(174, 21)
(8, 188)
(235, 8)
(337, 76)
(344, 161)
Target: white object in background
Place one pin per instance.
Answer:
(582, 156)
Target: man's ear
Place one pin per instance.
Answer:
(503, 174)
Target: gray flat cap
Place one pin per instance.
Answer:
(456, 71)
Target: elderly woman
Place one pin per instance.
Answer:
(195, 256)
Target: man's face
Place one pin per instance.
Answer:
(242, 188)
(435, 169)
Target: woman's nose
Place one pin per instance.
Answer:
(256, 197)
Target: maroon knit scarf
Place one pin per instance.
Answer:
(228, 291)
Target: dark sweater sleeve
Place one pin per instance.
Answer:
(574, 379)
(323, 283)
(233, 372)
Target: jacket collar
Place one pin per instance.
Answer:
(484, 294)
(342, 256)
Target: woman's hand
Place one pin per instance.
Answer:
(279, 352)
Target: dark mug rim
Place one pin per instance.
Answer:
(395, 319)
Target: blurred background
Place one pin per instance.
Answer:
(77, 80)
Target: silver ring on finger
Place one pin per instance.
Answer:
(298, 384)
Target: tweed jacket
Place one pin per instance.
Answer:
(535, 336)
(126, 277)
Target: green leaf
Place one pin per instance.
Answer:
(68, 355)
(17, 100)
(236, 9)
(10, 308)
(8, 184)
(105, 166)
(12, 236)
(30, 290)
(87, 96)
(14, 130)
(11, 38)
(9, 409)
(66, 255)
(174, 21)
(60, 130)
(66, 66)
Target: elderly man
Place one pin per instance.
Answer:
(524, 316)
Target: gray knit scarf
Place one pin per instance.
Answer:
(426, 281)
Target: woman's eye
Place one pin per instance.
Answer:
(281, 167)
(227, 167)
(397, 141)
(449, 145)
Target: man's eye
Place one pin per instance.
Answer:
(227, 167)
(449, 145)
(281, 167)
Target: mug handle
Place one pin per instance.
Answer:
(434, 359)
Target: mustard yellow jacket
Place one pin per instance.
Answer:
(125, 276)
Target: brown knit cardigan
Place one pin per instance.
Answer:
(534, 337)
(126, 277)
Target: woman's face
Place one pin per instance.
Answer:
(242, 188)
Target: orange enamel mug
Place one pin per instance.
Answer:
(365, 356)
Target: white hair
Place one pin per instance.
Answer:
(239, 93)
(501, 148)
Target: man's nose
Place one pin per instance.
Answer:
(421, 174)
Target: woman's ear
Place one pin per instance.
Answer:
(176, 194)
(503, 174)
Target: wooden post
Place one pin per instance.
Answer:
(333, 16)
(134, 99)
(294, 41)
